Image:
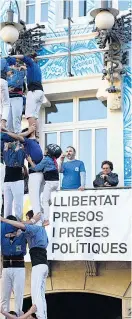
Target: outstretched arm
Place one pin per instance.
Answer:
(13, 222)
(21, 224)
(33, 309)
(26, 59)
(17, 137)
(38, 167)
(20, 137)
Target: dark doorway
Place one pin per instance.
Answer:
(80, 306)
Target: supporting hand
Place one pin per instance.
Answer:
(33, 309)
(81, 188)
(62, 157)
(32, 128)
(107, 184)
(28, 158)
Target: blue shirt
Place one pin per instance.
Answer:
(17, 79)
(33, 149)
(33, 70)
(4, 68)
(14, 154)
(47, 164)
(18, 245)
(71, 174)
(4, 137)
(4, 65)
(10, 60)
(36, 236)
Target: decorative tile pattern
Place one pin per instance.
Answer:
(82, 64)
(127, 116)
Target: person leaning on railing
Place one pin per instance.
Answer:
(106, 178)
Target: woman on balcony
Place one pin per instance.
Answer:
(106, 178)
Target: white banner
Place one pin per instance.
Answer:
(90, 225)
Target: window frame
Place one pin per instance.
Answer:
(37, 5)
(43, 2)
(126, 10)
(29, 5)
(75, 127)
(76, 19)
(79, 8)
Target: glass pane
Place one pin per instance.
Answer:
(85, 153)
(91, 109)
(30, 14)
(82, 8)
(66, 139)
(66, 9)
(44, 12)
(98, 4)
(59, 113)
(124, 4)
(50, 138)
(100, 148)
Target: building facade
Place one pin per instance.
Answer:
(77, 117)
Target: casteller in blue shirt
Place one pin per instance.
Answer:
(17, 79)
(4, 66)
(4, 137)
(71, 174)
(18, 245)
(33, 70)
(33, 149)
(37, 242)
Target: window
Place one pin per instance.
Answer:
(60, 112)
(36, 11)
(79, 10)
(50, 138)
(66, 139)
(44, 11)
(76, 123)
(91, 109)
(68, 5)
(82, 8)
(30, 11)
(124, 4)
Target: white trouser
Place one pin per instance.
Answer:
(33, 103)
(13, 279)
(2, 175)
(49, 187)
(35, 186)
(38, 283)
(5, 101)
(15, 114)
(13, 191)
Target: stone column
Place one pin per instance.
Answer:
(115, 132)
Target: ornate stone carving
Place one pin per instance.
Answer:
(115, 101)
